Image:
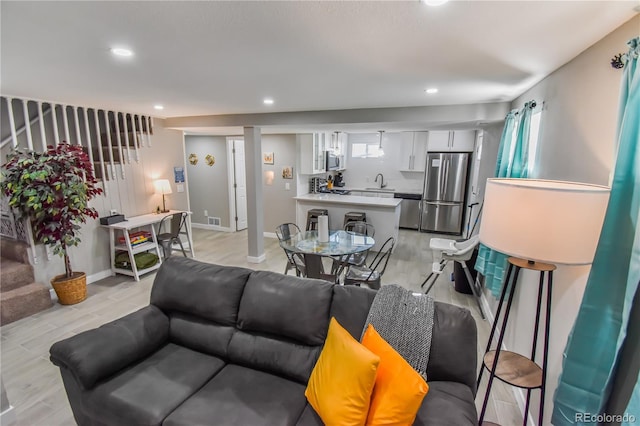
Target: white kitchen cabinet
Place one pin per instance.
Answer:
(336, 143)
(451, 141)
(439, 141)
(463, 140)
(311, 148)
(413, 147)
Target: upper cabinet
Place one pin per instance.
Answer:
(454, 141)
(413, 147)
(311, 149)
(336, 144)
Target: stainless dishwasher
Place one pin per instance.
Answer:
(410, 209)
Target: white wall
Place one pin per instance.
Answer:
(577, 142)
(279, 205)
(208, 185)
(361, 172)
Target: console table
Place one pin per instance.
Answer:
(146, 222)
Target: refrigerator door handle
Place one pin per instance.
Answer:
(442, 177)
(446, 177)
(441, 203)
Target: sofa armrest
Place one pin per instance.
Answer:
(96, 354)
(454, 346)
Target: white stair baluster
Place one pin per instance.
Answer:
(12, 123)
(43, 136)
(27, 124)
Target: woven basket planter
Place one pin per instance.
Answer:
(70, 290)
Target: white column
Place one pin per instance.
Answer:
(255, 213)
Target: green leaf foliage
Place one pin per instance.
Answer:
(52, 189)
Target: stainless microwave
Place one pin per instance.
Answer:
(332, 161)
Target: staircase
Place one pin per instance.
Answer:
(20, 296)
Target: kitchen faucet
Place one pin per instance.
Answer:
(382, 184)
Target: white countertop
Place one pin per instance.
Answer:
(350, 199)
(384, 190)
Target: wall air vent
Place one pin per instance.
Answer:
(213, 221)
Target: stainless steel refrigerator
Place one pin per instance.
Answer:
(445, 183)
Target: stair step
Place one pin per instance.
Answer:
(14, 274)
(23, 302)
(14, 250)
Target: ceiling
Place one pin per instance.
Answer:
(202, 58)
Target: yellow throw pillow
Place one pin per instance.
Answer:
(342, 380)
(399, 389)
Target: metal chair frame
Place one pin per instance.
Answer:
(283, 232)
(383, 255)
(178, 221)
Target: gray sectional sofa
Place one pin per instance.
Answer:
(230, 346)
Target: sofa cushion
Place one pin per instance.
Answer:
(446, 404)
(200, 334)
(350, 307)
(399, 389)
(267, 353)
(342, 380)
(145, 393)
(210, 291)
(288, 306)
(242, 396)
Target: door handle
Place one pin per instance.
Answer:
(446, 175)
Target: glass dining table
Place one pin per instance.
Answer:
(341, 245)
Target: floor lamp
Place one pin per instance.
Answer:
(540, 224)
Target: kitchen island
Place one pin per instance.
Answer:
(382, 213)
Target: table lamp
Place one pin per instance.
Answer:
(539, 223)
(163, 187)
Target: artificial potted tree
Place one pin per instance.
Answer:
(52, 189)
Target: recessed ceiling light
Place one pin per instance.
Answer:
(121, 51)
(268, 101)
(434, 2)
(431, 90)
(158, 107)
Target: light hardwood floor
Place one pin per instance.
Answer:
(34, 386)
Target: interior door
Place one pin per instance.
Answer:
(240, 186)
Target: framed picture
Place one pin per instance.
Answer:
(287, 172)
(267, 157)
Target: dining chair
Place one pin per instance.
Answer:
(362, 228)
(294, 260)
(166, 239)
(372, 274)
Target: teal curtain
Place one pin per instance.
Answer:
(512, 162)
(594, 344)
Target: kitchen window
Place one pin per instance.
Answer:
(366, 150)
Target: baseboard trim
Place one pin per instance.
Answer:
(98, 276)
(8, 416)
(211, 227)
(259, 259)
(270, 235)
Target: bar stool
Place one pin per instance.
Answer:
(312, 218)
(354, 217)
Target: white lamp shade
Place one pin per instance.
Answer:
(543, 220)
(162, 186)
